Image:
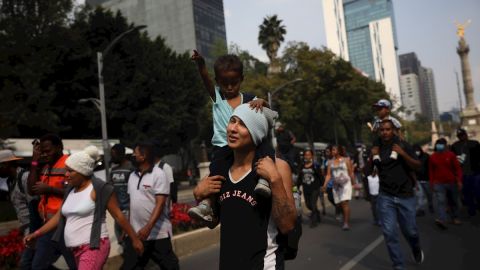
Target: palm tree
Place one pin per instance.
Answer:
(271, 34)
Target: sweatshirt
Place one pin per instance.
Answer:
(444, 168)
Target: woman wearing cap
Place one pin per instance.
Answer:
(81, 219)
(251, 223)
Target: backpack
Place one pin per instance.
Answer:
(247, 97)
(173, 186)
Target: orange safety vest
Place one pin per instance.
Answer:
(54, 177)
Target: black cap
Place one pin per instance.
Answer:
(461, 131)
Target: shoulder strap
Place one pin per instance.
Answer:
(161, 164)
(247, 97)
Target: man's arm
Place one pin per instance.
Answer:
(280, 177)
(411, 162)
(160, 200)
(202, 69)
(293, 139)
(33, 176)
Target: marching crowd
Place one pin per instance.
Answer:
(250, 191)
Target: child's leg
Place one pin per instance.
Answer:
(207, 210)
(376, 148)
(263, 150)
(396, 140)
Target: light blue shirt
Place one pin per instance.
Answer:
(222, 111)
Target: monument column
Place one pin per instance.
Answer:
(463, 50)
(470, 114)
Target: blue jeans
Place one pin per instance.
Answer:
(471, 192)
(446, 194)
(48, 251)
(392, 210)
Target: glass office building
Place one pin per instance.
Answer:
(358, 16)
(184, 24)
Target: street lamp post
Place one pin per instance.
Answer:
(100, 103)
(270, 96)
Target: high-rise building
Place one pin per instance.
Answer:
(368, 29)
(430, 94)
(410, 64)
(184, 24)
(409, 85)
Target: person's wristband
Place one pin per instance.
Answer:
(34, 163)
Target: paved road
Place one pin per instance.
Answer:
(328, 247)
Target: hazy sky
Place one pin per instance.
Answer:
(423, 26)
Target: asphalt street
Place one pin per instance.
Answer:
(328, 247)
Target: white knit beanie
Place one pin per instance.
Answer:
(83, 161)
(258, 122)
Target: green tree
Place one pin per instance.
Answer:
(332, 98)
(270, 36)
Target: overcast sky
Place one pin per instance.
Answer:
(425, 27)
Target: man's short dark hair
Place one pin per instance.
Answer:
(228, 62)
(53, 138)
(146, 149)
(119, 149)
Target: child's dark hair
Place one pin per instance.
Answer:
(228, 62)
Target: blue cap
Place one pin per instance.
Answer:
(383, 103)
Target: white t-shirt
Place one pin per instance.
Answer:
(168, 171)
(373, 184)
(78, 210)
(142, 190)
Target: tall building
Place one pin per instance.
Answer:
(409, 85)
(430, 94)
(368, 29)
(184, 24)
(410, 64)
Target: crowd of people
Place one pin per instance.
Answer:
(251, 189)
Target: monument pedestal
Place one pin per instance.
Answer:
(471, 122)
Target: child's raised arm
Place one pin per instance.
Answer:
(202, 69)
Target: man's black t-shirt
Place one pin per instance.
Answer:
(396, 177)
(465, 148)
(284, 141)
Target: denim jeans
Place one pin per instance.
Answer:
(392, 210)
(471, 192)
(446, 194)
(425, 186)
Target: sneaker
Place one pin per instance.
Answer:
(440, 224)
(263, 188)
(456, 222)
(418, 256)
(338, 217)
(203, 212)
(345, 227)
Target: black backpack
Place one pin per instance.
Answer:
(173, 186)
(289, 242)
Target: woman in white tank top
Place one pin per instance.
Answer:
(81, 219)
(340, 170)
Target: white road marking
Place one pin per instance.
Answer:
(350, 264)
